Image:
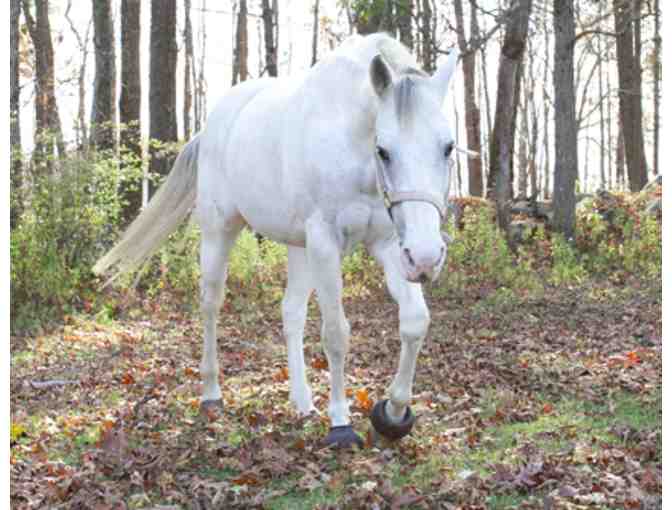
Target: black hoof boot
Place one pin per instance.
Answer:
(343, 437)
(385, 427)
(211, 405)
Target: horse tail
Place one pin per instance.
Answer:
(171, 204)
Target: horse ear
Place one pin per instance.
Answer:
(380, 74)
(444, 73)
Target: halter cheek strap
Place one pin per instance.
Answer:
(392, 198)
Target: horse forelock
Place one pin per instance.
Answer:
(406, 98)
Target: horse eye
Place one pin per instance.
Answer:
(449, 149)
(383, 154)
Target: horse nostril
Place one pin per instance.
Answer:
(424, 278)
(407, 252)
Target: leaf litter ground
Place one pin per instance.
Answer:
(547, 400)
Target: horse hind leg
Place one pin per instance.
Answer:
(216, 245)
(294, 308)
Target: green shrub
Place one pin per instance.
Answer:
(178, 264)
(361, 274)
(70, 218)
(643, 251)
(620, 238)
(566, 268)
(479, 254)
(256, 269)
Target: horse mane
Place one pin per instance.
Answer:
(397, 55)
(407, 73)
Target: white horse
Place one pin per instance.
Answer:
(356, 150)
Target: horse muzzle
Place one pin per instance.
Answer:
(422, 264)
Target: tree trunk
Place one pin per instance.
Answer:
(201, 106)
(520, 72)
(472, 115)
(389, 22)
(486, 97)
(585, 188)
(240, 50)
(547, 109)
(47, 119)
(131, 92)
(276, 34)
(269, 17)
(523, 137)
(188, 70)
(600, 89)
(656, 87)
(458, 162)
(533, 150)
(566, 152)
(637, 99)
(16, 169)
(610, 137)
(405, 22)
(501, 141)
(81, 136)
(129, 110)
(102, 114)
(620, 157)
(316, 28)
(426, 32)
(630, 87)
(162, 88)
(369, 16)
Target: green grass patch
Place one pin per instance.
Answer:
(301, 499)
(571, 421)
(22, 358)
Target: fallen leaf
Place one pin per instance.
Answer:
(319, 363)
(127, 378)
(16, 431)
(281, 375)
(363, 400)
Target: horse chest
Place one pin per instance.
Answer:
(352, 225)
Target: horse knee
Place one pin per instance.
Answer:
(413, 325)
(212, 294)
(293, 316)
(336, 338)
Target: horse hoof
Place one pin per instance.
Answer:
(388, 429)
(211, 405)
(343, 437)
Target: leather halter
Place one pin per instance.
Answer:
(392, 198)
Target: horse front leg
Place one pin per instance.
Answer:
(393, 418)
(294, 308)
(324, 261)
